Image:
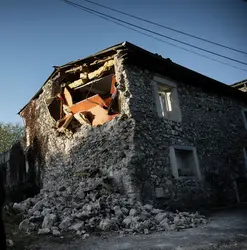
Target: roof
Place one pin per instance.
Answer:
(101, 53)
(138, 56)
(239, 84)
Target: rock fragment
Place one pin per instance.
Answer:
(84, 204)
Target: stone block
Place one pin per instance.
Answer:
(159, 192)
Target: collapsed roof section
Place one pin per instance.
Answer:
(82, 92)
(81, 73)
(88, 94)
(94, 60)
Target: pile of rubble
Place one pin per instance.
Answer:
(94, 204)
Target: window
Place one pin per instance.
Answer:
(184, 162)
(244, 113)
(167, 99)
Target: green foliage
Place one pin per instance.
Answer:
(9, 134)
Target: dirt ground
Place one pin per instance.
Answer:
(226, 230)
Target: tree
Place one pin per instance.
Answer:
(9, 134)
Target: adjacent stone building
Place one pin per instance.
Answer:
(165, 133)
(19, 184)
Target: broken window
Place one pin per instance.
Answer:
(167, 99)
(92, 99)
(184, 162)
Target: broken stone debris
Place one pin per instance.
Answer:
(19, 207)
(89, 205)
(44, 231)
(27, 226)
(9, 243)
(48, 220)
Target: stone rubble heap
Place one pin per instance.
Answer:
(90, 204)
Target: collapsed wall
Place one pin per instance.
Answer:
(81, 120)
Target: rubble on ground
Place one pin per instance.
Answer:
(94, 204)
(9, 243)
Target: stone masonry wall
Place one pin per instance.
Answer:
(134, 147)
(63, 158)
(211, 123)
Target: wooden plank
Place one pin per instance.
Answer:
(97, 73)
(87, 104)
(81, 118)
(77, 83)
(68, 97)
(66, 123)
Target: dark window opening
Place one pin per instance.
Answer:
(186, 164)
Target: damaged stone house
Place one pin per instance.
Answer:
(163, 132)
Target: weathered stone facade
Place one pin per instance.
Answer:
(210, 122)
(134, 147)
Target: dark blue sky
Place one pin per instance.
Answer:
(35, 35)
